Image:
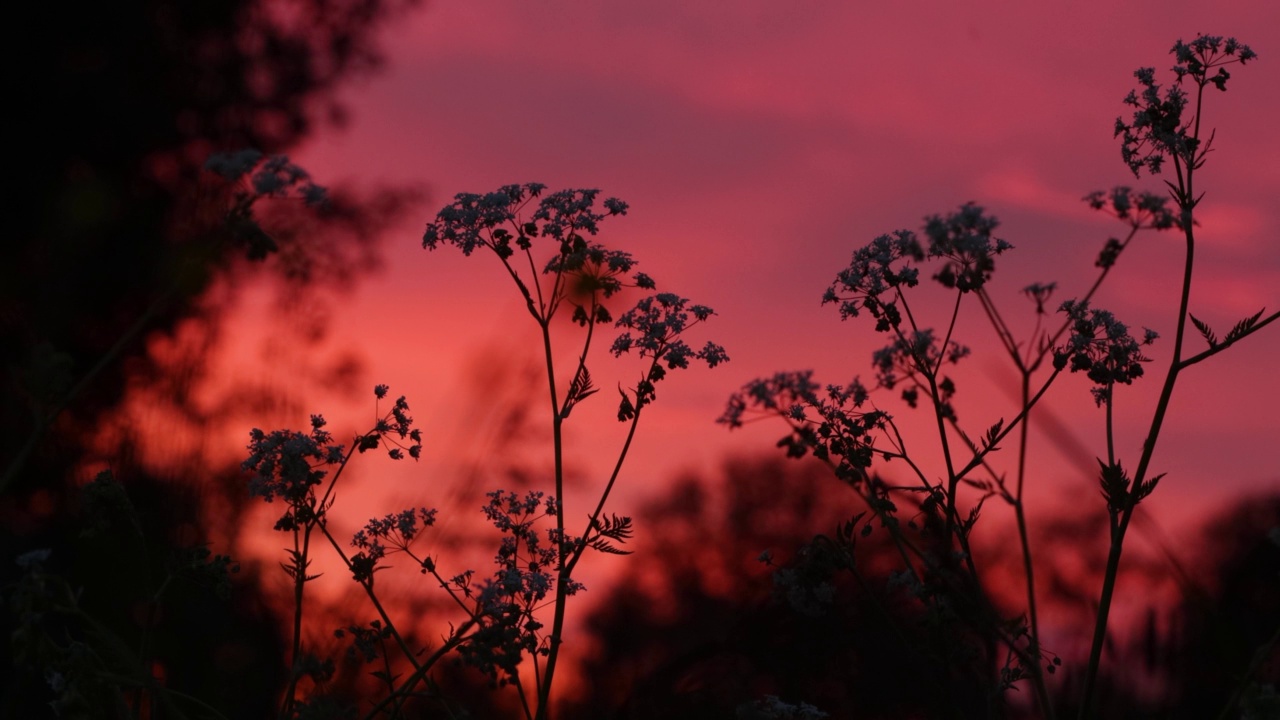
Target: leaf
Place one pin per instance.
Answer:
(1242, 328)
(603, 546)
(617, 528)
(1205, 330)
(845, 531)
(968, 524)
(579, 390)
(626, 410)
(1115, 487)
(1146, 488)
(993, 432)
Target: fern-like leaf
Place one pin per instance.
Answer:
(603, 546)
(614, 527)
(1244, 327)
(1205, 331)
(626, 411)
(993, 432)
(1146, 488)
(579, 390)
(845, 531)
(1115, 487)
(972, 520)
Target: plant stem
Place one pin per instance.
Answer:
(1186, 202)
(1019, 512)
(557, 625)
(373, 598)
(454, 640)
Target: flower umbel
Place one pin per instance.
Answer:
(964, 240)
(1101, 346)
(654, 328)
(1158, 129)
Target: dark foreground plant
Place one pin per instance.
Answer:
(512, 619)
(844, 426)
(72, 624)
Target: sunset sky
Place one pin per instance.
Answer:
(758, 144)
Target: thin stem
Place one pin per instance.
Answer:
(1024, 541)
(299, 571)
(1093, 289)
(900, 443)
(454, 640)
(557, 626)
(582, 360)
(998, 324)
(533, 273)
(604, 496)
(391, 688)
(951, 326)
(1205, 355)
(1185, 197)
(953, 480)
(373, 598)
(443, 584)
(1018, 419)
(524, 701)
(1111, 433)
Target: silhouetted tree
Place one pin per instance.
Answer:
(118, 236)
(121, 105)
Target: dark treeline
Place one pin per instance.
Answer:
(698, 627)
(118, 236)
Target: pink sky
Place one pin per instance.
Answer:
(759, 143)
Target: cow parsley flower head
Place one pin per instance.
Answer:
(964, 240)
(907, 355)
(495, 220)
(1158, 129)
(1101, 347)
(287, 464)
(1039, 293)
(1140, 210)
(654, 326)
(878, 267)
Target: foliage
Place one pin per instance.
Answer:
(848, 428)
(504, 623)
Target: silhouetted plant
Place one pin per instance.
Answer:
(845, 427)
(504, 627)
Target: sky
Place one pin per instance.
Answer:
(759, 144)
